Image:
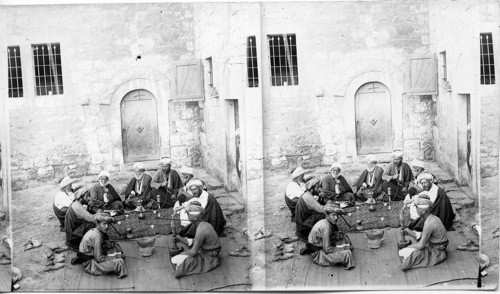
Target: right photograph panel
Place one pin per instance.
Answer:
(380, 136)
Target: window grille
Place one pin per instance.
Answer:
(252, 67)
(443, 64)
(283, 60)
(47, 68)
(210, 75)
(15, 72)
(487, 60)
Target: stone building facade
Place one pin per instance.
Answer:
(107, 52)
(349, 55)
(467, 123)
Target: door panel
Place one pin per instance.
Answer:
(373, 119)
(139, 127)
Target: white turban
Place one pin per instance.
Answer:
(139, 165)
(186, 170)
(422, 203)
(417, 163)
(104, 174)
(166, 160)
(195, 182)
(398, 154)
(297, 172)
(425, 176)
(336, 165)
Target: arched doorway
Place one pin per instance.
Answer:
(139, 127)
(373, 119)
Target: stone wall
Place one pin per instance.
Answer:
(455, 27)
(315, 120)
(419, 122)
(104, 47)
(490, 128)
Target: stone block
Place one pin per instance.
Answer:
(237, 208)
(20, 175)
(279, 163)
(45, 173)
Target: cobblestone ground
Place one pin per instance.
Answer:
(33, 217)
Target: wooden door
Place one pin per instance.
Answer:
(373, 119)
(139, 127)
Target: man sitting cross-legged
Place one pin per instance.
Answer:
(431, 248)
(203, 256)
(78, 220)
(335, 187)
(322, 245)
(139, 188)
(370, 180)
(93, 252)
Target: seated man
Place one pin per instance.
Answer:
(93, 251)
(139, 188)
(204, 253)
(187, 175)
(166, 183)
(321, 242)
(63, 199)
(397, 176)
(440, 203)
(307, 213)
(103, 196)
(414, 188)
(78, 220)
(212, 212)
(370, 180)
(335, 187)
(295, 189)
(431, 249)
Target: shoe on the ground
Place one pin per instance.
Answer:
(53, 267)
(469, 246)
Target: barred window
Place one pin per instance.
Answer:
(252, 67)
(15, 74)
(47, 68)
(283, 59)
(487, 60)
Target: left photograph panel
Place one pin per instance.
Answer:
(122, 180)
(8, 274)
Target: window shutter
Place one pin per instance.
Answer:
(188, 81)
(421, 75)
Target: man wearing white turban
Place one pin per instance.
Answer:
(370, 180)
(431, 248)
(139, 188)
(440, 203)
(166, 183)
(203, 256)
(103, 195)
(335, 187)
(397, 176)
(294, 190)
(417, 167)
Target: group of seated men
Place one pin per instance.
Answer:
(315, 204)
(84, 215)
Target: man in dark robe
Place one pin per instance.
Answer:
(103, 195)
(397, 176)
(212, 211)
(370, 180)
(139, 189)
(414, 188)
(335, 187)
(78, 220)
(307, 213)
(441, 205)
(166, 182)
